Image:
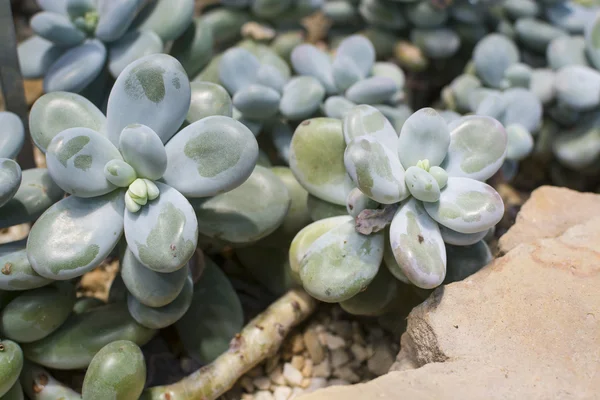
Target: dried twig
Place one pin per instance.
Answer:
(260, 339)
(371, 221)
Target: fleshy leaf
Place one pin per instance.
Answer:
(208, 99)
(76, 158)
(478, 146)
(321, 209)
(210, 156)
(35, 377)
(76, 342)
(153, 91)
(57, 6)
(389, 70)
(309, 60)
(301, 98)
(11, 359)
(13, 136)
(317, 159)
(337, 107)
(357, 201)
(467, 206)
(194, 48)
(115, 17)
(36, 55)
(17, 273)
(10, 179)
(464, 261)
(56, 28)
(214, 317)
(520, 142)
(341, 263)
(119, 173)
(345, 72)
(360, 50)
(389, 260)
(424, 136)
(523, 108)
(54, 112)
(161, 317)
(257, 101)
(375, 170)
(272, 77)
(75, 235)
(421, 184)
(364, 120)
(461, 239)
(168, 18)
(377, 298)
(233, 218)
(492, 56)
(36, 193)
(76, 68)
(163, 235)
(143, 150)
(418, 246)
(578, 86)
(132, 46)
(373, 90)
(151, 288)
(237, 69)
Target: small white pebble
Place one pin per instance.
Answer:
(322, 370)
(334, 342)
(316, 383)
(246, 383)
(292, 375)
(263, 395)
(359, 352)
(262, 383)
(339, 357)
(298, 362)
(276, 376)
(296, 392)
(282, 393)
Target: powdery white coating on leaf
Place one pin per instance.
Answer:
(237, 69)
(578, 86)
(115, 17)
(10, 179)
(467, 206)
(143, 150)
(132, 46)
(421, 184)
(257, 101)
(461, 239)
(341, 263)
(153, 91)
(75, 235)
(210, 156)
(13, 258)
(301, 97)
(424, 136)
(311, 61)
(360, 50)
(13, 134)
(56, 28)
(417, 245)
(365, 120)
(492, 56)
(36, 55)
(373, 90)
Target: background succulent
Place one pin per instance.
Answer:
(429, 181)
(76, 39)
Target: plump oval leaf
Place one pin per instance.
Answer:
(11, 364)
(75, 235)
(115, 17)
(132, 46)
(163, 235)
(13, 137)
(76, 342)
(365, 120)
(237, 69)
(578, 86)
(341, 263)
(492, 56)
(194, 48)
(56, 28)
(118, 370)
(36, 55)
(464, 261)
(467, 206)
(17, 273)
(210, 156)
(345, 72)
(311, 61)
(317, 159)
(520, 142)
(421, 184)
(359, 49)
(301, 98)
(424, 136)
(337, 107)
(377, 298)
(257, 101)
(417, 245)
(461, 239)
(143, 150)
(10, 179)
(153, 91)
(168, 18)
(38, 384)
(373, 90)
(209, 99)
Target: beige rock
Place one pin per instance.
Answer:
(297, 344)
(359, 352)
(342, 328)
(282, 393)
(338, 382)
(382, 359)
(298, 362)
(292, 375)
(296, 392)
(548, 213)
(314, 347)
(334, 342)
(323, 369)
(316, 383)
(346, 374)
(524, 327)
(339, 357)
(307, 369)
(263, 395)
(247, 396)
(262, 383)
(276, 376)
(305, 383)
(247, 384)
(271, 363)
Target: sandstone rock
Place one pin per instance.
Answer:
(524, 327)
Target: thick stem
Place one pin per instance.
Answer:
(260, 339)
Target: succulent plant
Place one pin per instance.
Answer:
(427, 184)
(75, 39)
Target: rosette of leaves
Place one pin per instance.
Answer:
(279, 13)
(133, 174)
(76, 41)
(427, 184)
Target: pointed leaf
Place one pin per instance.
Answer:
(477, 149)
(424, 136)
(75, 235)
(56, 28)
(143, 150)
(364, 120)
(233, 217)
(153, 91)
(131, 47)
(311, 61)
(115, 17)
(237, 69)
(301, 98)
(467, 206)
(13, 137)
(76, 158)
(36, 193)
(341, 263)
(317, 159)
(168, 18)
(208, 99)
(17, 273)
(76, 68)
(161, 317)
(151, 288)
(375, 170)
(36, 55)
(10, 180)
(54, 112)
(210, 156)
(214, 317)
(163, 235)
(418, 246)
(76, 342)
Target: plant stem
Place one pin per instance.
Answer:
(260, 339)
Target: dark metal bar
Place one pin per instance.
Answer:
(11, 80)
